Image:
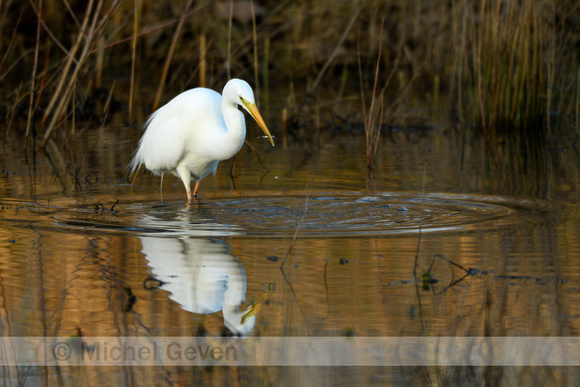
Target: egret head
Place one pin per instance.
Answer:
(240, 93)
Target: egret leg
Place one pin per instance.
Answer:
(161, 186)
(185, 176)
(195, 189)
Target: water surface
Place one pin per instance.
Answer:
(440, 241)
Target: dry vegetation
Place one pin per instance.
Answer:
(501, 66)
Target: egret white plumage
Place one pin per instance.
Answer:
(196, 130)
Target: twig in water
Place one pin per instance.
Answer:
(290, 249)
(232, 177)
(297, 228)
(468, 272)
(420, 224)
(257, 156)
(417, 253)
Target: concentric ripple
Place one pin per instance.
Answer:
(363, 215)
(312, 216)
(320, 215)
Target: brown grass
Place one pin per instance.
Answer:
(502, 66)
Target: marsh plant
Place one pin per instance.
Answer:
(499, 66)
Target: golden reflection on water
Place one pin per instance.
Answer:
(74, 260)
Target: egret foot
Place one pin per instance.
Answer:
(196, 189)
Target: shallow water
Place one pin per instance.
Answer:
(301, 244)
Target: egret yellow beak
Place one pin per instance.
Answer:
(253, 110)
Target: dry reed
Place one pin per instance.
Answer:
(503, 66)
(176, 36)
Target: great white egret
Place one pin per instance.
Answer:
(196, 130)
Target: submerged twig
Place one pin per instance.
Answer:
(297, 228)
(416, 264)
(257, 158)
(287, 254)
(468, 272)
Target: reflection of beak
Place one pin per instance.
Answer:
(255, 307)
(251, 312)
(253, 110)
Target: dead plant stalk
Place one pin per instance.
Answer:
(372, 133)
(92, 35)
(33, 77)
(170, 52)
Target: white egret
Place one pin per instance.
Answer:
(196, 130)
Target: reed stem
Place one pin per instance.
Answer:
(176, 35)
(137, 7)
(33, 77)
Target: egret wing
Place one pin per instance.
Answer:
(162, 145)
(177, 128)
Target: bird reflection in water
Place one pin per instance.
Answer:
(203, 277)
